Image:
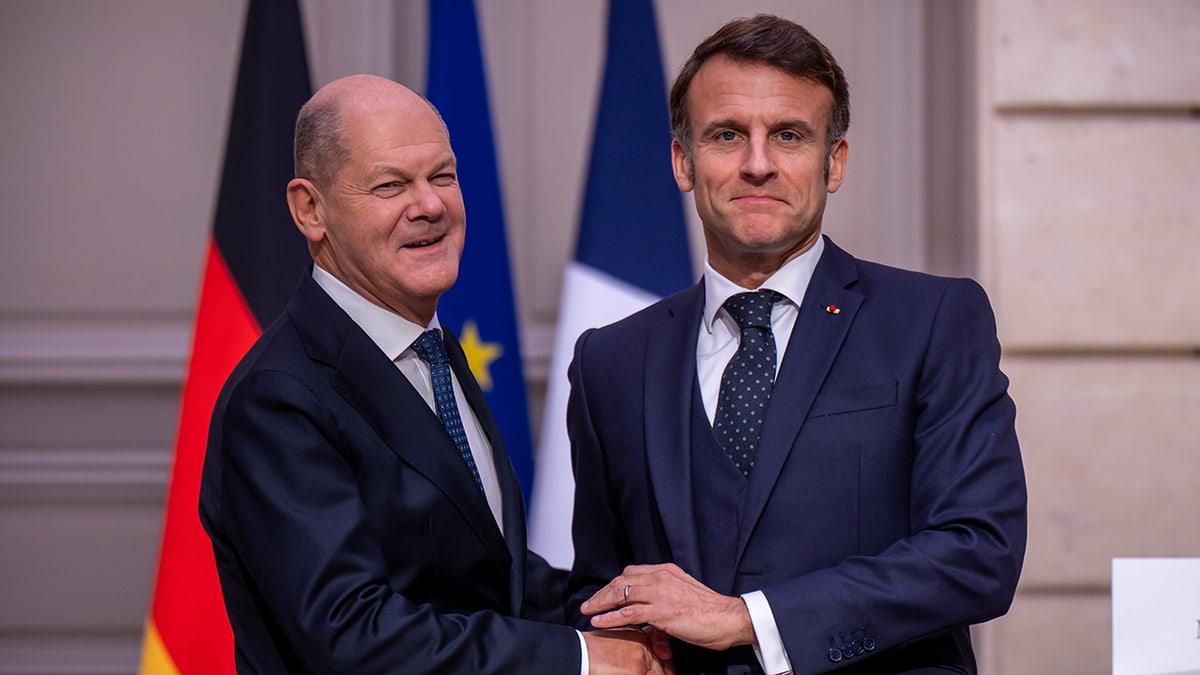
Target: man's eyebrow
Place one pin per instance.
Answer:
(391, 170)
(446, 163)
(804, 127)
(406, 174)
(801, 125)
(724, 123)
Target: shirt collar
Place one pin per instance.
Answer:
(791, 281)
(388, 330)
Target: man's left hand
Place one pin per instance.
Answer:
(669, 599)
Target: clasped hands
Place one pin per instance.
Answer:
(666, 599)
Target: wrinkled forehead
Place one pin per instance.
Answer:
(408, 142)
(725, 84)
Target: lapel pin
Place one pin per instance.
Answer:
(833, 309)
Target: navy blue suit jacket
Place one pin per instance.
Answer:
(886, 511)
(349, 534)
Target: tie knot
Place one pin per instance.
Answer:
(752, 309)
(431, 348)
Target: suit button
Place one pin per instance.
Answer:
(869, 644)
(835, 654)
(848, 650)
(857, 645)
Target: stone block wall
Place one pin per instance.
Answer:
(1089, 120)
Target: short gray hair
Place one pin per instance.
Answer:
(320, 149)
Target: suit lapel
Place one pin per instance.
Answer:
(372, 384)
(815, 341)
(510, 487)
(669, 381)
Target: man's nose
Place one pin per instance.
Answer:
(427, 204)
(758, 164)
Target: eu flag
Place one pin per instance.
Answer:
(480, 308)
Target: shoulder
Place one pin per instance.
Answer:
(911, 287)
(277, 373)
(279, 348)
(685, 302)
(944, 314)
(620, 341)
(633, 329)
(896, 296)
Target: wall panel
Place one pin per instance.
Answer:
(1097, 239)
(1111, 461)
(1097, 54)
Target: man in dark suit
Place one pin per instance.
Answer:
(364, 514)
(805, 462)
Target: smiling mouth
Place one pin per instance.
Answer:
(427, 242)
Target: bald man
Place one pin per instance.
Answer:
(363, 511)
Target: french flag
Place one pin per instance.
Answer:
(632, 248)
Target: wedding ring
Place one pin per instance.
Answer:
(627, 594)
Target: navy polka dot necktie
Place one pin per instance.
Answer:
(748, 378)
(431, 349)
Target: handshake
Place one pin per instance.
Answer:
(635, 614)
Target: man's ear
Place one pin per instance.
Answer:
(685, 176)
(838, 155)
(304, 202)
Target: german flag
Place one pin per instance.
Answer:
(255, 259)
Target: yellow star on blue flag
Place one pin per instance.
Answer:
(480, 354)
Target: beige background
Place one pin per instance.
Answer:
(1051, 150)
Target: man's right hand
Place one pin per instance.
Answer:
(623, 651)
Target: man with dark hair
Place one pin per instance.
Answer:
(363, 511)
(805, 462)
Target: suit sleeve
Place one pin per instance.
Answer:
(601, 551)
(967, 509)
(294, 520)
(545, 590)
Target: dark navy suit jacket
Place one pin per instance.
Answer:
(349, 534)
(886, 511)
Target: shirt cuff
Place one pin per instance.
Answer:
(583, 662)
(769, 648)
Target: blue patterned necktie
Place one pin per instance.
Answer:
(748, 378)
(431, 349)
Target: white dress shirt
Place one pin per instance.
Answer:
(716, 343)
